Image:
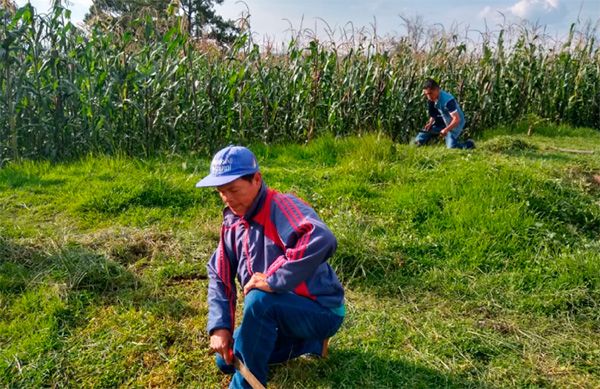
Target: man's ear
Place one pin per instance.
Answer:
(257, 178)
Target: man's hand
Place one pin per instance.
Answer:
(221, 342)
(444, 132)
(428, 126)
(258, 281)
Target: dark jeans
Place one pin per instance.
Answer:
(276, 328)
(451, 138)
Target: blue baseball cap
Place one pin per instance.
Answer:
(228, 165)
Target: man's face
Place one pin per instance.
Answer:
(432, 94)
(238, 195)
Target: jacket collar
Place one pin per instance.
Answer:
(257, 203)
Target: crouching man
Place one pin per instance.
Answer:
(277, 248)
(446, 118)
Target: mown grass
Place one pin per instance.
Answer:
(463, 269)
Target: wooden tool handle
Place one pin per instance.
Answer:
(245, 372)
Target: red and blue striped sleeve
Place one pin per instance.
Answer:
(308, 243)
(221, 290)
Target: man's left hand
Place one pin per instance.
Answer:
(444, 132)
(258, 281)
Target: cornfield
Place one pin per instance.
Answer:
(67, 91)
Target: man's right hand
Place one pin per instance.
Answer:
(221, 342)
(428, 126)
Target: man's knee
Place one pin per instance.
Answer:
(450, 144)
(452, 138)
(452, 141)
(421, 138)
(257, 302)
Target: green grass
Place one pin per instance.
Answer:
(463, 269)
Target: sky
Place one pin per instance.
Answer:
(271, 19)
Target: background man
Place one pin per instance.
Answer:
(445, 118)
(278, 248)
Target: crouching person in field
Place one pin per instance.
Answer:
(446, 118)
(277, 248)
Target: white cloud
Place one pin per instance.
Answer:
(542, 11)
(547, 11)
(488, 12)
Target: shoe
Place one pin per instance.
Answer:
(470, 144)
(316, 348)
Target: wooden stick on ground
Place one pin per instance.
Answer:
(246, 373)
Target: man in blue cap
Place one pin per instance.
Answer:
(277, 248)
(446, 118)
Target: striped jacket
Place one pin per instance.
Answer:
(280, 236)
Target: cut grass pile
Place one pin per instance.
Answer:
(462, 268)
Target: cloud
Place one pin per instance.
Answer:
(488, 12)
(542, 11)
(538, 10)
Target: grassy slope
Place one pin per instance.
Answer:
(463, 268)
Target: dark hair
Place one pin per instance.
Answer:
(248, 177)
(430, 83)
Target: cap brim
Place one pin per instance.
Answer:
(209, 181)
